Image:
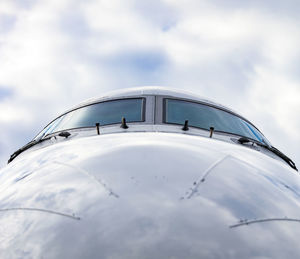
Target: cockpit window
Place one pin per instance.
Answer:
(204, 116)
(105, 113)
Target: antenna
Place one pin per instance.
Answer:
(211, 131)
(97, 126)
(124, 125)
(186, 125)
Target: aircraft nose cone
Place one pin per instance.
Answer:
(147, 197)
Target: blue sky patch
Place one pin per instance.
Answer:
(5, 92)
(74, 24)
(167, 26)
(140, 61)
(157, 13)
(25, 4)
(7, 22)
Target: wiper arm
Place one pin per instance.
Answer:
(32, 143)
(274, 150)
(27, 146)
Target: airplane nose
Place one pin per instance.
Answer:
(146, 198)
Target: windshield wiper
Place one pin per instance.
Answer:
(27, 146)
(34, 142)
(274, 150)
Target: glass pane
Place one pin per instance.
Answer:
(203, 116)
(105, 113)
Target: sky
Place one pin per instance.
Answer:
(242, 54)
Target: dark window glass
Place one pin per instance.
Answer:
(105, 113)
(203, 116)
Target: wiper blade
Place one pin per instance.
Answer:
(27, 146)
(274, 150)
(32, 143)
(283, 156)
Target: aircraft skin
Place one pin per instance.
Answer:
(151, 190)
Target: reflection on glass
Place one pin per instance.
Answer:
(203, 116)
(105, 113)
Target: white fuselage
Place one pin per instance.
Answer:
(149, 191)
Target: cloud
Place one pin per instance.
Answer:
(56, 53)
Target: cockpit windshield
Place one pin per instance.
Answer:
(175, 111)
(160, 109)
(105, 113)
(204, 116)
